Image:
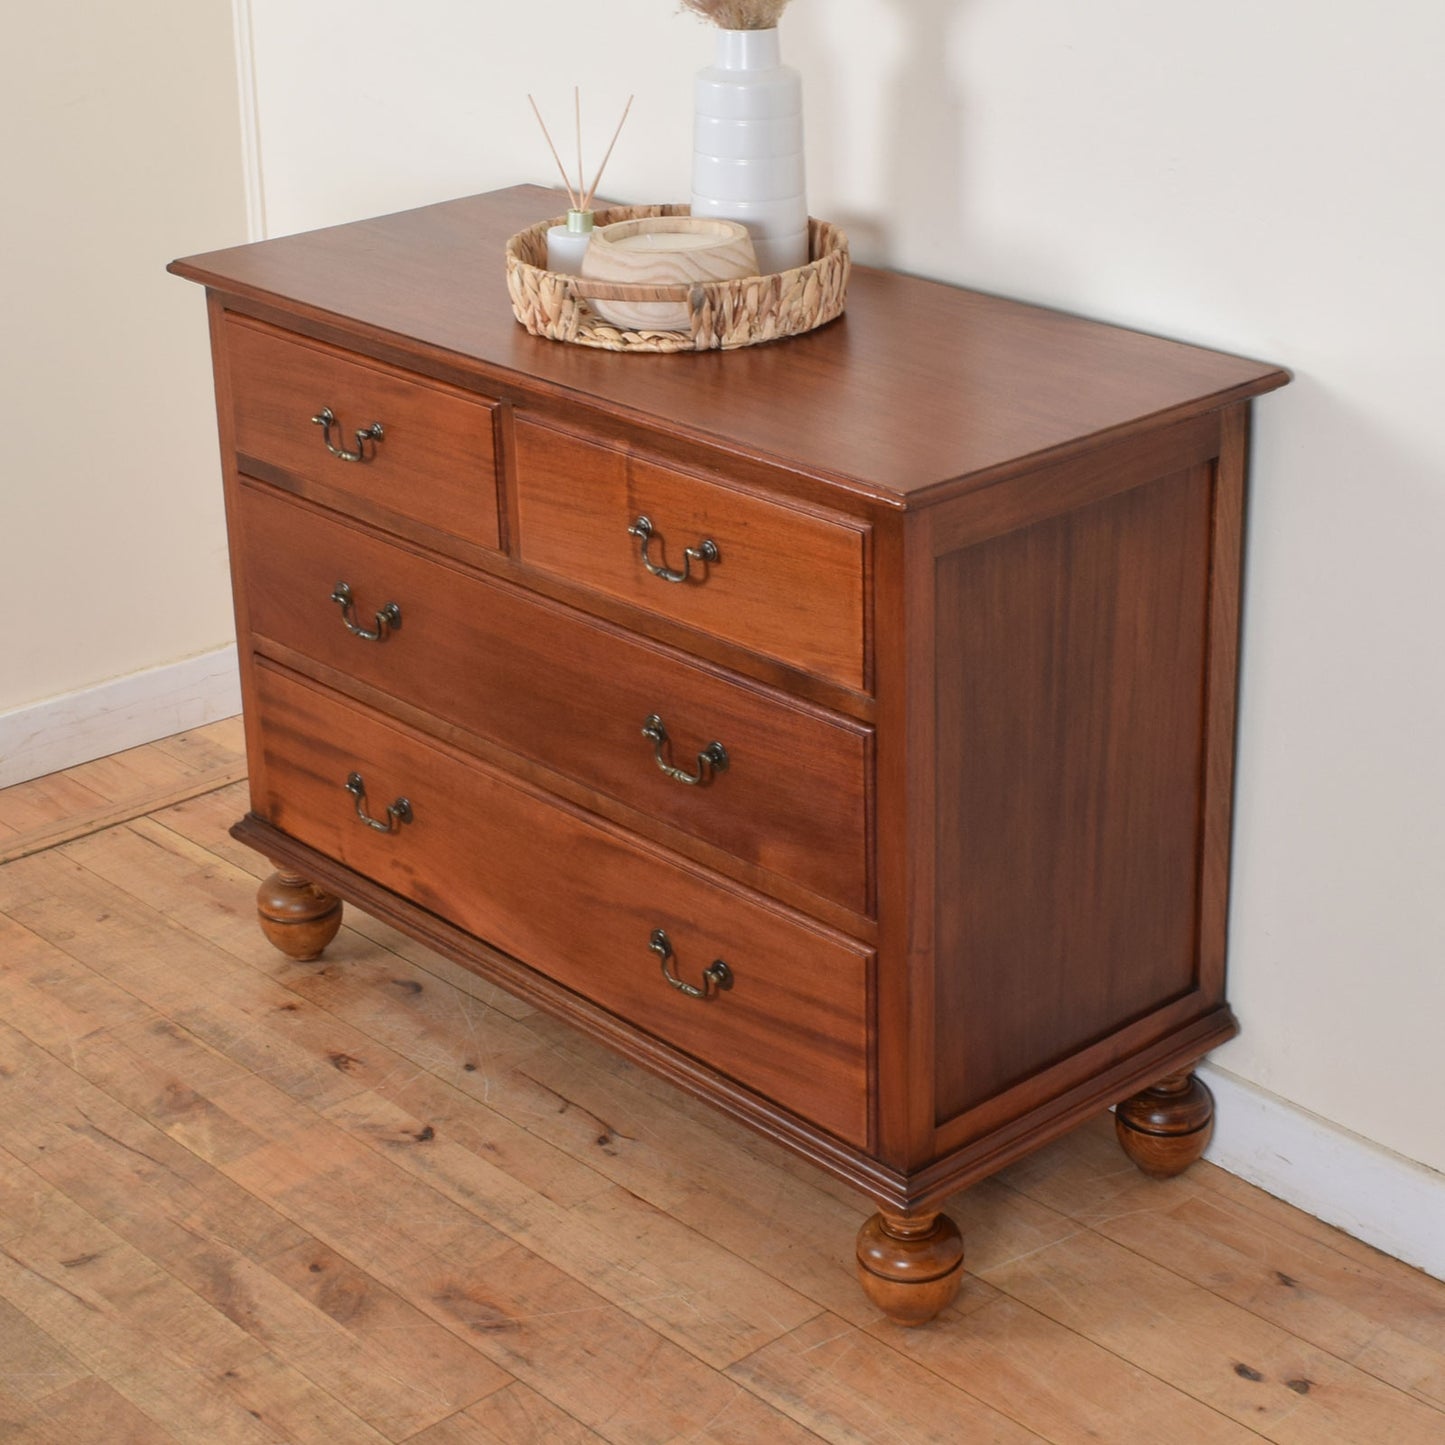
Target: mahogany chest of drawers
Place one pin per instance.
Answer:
(842, 728)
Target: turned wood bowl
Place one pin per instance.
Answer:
(664, 252)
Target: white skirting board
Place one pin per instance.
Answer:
(60, 732)
(1376, 1195)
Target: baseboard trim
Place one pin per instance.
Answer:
(1368, 1191)
(61, 732)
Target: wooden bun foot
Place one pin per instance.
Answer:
(296, 916)
(910, 1268)
(1167, 1127)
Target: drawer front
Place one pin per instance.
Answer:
(785, 582)
(571, 694)
(435, 463)
(576, 900)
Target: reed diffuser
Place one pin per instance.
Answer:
(747, 162)
(567, 244)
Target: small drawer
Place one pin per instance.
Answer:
(434, 463)
(576, 900)
(787, 793)
(773, 578)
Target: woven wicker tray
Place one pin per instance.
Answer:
(725, 314)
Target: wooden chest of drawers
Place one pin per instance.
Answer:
(843, 728)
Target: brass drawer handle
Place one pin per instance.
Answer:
(713, 759)
(387, 620)
(706, 551)
(326, 419)
(397, 814)
(717, 978)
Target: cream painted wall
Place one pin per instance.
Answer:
(1263, 178)
(122, 150)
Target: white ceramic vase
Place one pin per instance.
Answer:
(747, 162)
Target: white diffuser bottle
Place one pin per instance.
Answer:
(747, 160)
(567, 244)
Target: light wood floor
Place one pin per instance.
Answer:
(370, 1199)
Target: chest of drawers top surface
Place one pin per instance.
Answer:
(918, 391)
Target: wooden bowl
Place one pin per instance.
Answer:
(664, 251)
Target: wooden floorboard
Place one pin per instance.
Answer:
(376, 1199)
(48, 811)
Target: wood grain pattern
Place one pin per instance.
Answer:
(296, 916)
(1312, 1281)
(910, 1268)
(1226, 588)
(694, 1294)
(1168, 1126)
(786, 583)
(140, 1006)
(436, 461)
(32, 1364)
(201, 1375)
(48, 811)
(1068, 788)
(514, 1416)
(436, 275)
(834, 1377)
(1076, 1390)
(43, 804)
(552, 685)
(486, 854)
(88, 1410)
(848, 1162)
(396, 1370)
(1234, 1362)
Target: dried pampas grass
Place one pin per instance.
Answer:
(738, 14)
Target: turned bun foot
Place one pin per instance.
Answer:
(296, 916)
(910, 1268)
(1167, 1127)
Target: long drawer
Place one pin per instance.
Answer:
(550, 684)
(577, 900)
(774, 578)
(434, 463)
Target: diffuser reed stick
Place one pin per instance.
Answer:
(597, 179)
(581, 175)
(581, 199)
(574, 201)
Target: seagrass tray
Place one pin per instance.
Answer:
(724, 314)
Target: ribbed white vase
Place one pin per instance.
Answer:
(747, 162)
